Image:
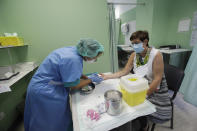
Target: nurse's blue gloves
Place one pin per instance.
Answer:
(95, 78)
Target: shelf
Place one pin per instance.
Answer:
(5, 47)
(23, 69)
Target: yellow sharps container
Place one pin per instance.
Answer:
(10, 41)
(134, 89)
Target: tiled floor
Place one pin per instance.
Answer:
(185, 117)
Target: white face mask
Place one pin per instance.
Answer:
(91, 61)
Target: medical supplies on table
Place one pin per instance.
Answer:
(87, 89)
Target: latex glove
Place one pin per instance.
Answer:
(95, 78)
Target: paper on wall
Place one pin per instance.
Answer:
(193, 40)
(125, 28)
(184, 25)
(4, 88)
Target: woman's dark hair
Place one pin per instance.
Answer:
(142, 35)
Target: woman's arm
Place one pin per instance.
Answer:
(158, 69)
(123, 72)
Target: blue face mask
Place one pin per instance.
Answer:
(138, 48)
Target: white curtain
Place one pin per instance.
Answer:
(113, 39)
(189, 84)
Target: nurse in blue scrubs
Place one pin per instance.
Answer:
(47, 103)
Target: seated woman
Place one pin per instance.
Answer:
(148, 62)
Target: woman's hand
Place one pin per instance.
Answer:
(105, 77)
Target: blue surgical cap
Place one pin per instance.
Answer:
(89, 47)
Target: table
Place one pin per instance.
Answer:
(171, 51)
(126, 48)
(80, 104)
(180, 57)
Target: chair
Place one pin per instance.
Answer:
(174, 78)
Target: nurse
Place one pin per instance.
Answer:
(47, 103)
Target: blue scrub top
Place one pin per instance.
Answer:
(47, 105)
(62, 65)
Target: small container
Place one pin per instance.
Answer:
(87, 89)
(113, 102)
(134, 89)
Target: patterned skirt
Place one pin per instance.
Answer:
(161, 100)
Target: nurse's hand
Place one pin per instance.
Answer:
(95, 78)
(84, 76)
